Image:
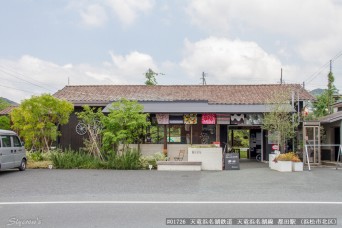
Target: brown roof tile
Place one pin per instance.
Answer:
(7, 110)
(214, 94)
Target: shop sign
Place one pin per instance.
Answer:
(237, 119)
(162, 118)
(275, 147)
(176, 119)
(190, 118)
(231, 161)
(223, 118)
(208, 118)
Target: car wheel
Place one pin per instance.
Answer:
(22, 166)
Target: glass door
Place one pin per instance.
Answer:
(311, 134)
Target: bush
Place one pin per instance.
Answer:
(35, 156)
(70, 160)
(151, 160)
(127, 160)
(291, 156)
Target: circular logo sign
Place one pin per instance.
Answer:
(275, 147)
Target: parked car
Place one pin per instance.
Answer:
(12, 151)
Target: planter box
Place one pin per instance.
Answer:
(271, 163)
(297, 166)
(284, 166)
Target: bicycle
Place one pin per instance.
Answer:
(258, 157)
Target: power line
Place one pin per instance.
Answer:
(8, 87)
(9, 68)
(12, 74)
(319, 71)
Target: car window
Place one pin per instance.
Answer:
(6, 141)
(16, 141)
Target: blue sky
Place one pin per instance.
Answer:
(45, 43)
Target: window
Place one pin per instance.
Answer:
(16, 141)
(6, 141)
(175, 134)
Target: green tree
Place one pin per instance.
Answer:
(151, 77)
(3, 104)
(91, 121)
(324, 102)
(37, 120)
(5, 123)
(279, 120)
(125, 124)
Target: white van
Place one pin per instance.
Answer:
(12, 151)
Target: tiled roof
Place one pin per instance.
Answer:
(334, 117)
(7, 110)
(214, 94)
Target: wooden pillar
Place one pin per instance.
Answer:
(165, 140)
(217, 132)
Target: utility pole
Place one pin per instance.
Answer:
(203, 79)
(281, 76)
(330, 65)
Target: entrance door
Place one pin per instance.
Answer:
(311, 134)
(223, 135)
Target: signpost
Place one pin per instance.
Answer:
(231, 161)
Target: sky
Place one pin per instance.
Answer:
(48, 44)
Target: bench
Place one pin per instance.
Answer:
(178, 166)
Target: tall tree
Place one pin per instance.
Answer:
(125, 124)
(279, 120)
(3, 104)
(5, 123)
(324, 102)
(37, 120)
(91, 122)
(151, 77)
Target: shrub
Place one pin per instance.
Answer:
(290, 156)
(71, 159)
(152, 160)
(35, 156)
(129, 159)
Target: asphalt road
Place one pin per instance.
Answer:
(109, 198)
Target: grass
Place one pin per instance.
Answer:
(38, 164)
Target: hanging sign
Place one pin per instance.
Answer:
(237, 119)
(190, 118)
(223, 118)
(162, 118)
(208, 118)
(176, 119)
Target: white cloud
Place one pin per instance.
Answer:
(94, 15)
(311, 25)
(128, 10)
(29, 75)
(229, 61)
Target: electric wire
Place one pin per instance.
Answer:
(10, 69)
(34, 84)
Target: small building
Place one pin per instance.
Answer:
(184, 115)
(332, 125)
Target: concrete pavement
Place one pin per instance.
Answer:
(254, 192)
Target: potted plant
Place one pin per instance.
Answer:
(283, 162)
(297, 164)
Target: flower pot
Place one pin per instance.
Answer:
(284, 166)
(297, 166)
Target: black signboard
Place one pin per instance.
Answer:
(231, 161)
